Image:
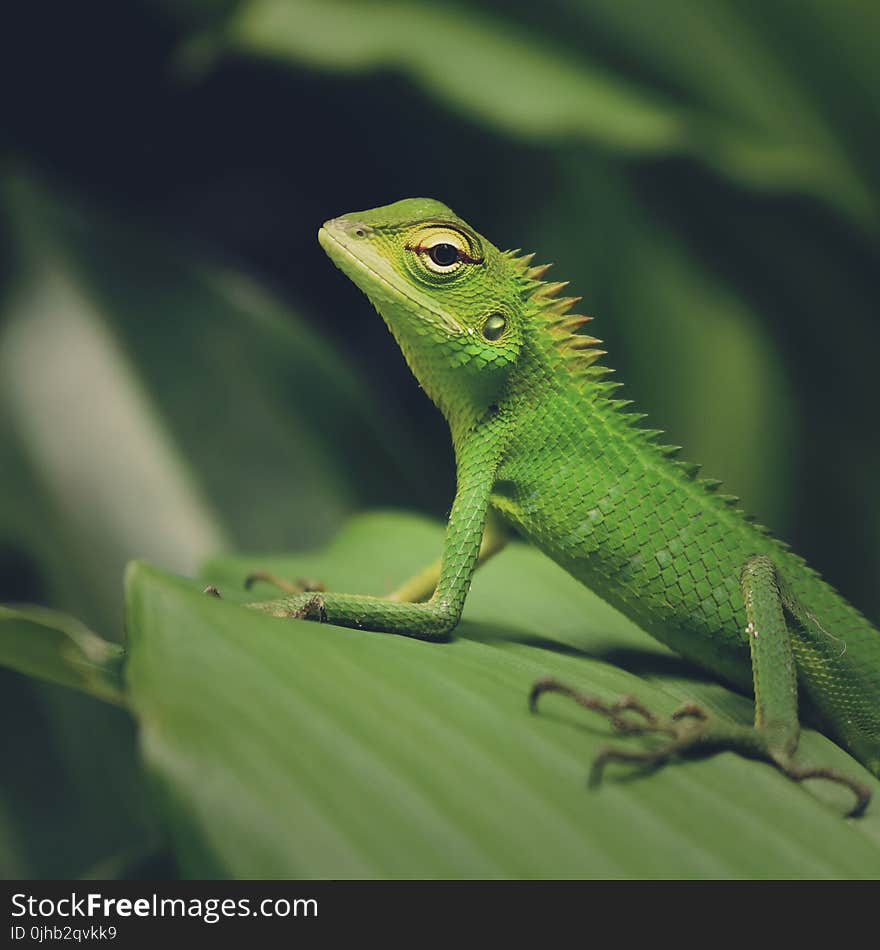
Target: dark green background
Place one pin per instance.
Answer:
(164, 170)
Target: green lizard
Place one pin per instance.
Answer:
(543, 446)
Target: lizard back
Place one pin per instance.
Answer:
(584, 482)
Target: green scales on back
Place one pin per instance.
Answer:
(586, 483)
(544, 446)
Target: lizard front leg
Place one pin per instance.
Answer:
(438, 614)
(416, 589)
(421, 586)
(770, 611)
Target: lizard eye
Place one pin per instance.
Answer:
(443, 254)
(443, 250)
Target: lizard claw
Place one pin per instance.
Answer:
(691, 730)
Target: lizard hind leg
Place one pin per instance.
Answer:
(302, 586)
(693, 730)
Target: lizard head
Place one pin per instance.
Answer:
(453, 300)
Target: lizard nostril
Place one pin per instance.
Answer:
(358, 229)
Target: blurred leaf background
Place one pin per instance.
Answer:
(182, 372)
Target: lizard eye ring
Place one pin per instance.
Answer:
(443, 250)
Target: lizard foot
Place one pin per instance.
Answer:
(689, 730)
(301, 606)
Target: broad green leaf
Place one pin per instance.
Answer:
(52, 646)
(738, 107)
(285, 748)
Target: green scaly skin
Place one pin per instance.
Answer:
(542, 441)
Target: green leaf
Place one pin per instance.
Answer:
(52, 646)
(287, 748)
(727, 96)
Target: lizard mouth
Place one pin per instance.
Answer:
(343, 241)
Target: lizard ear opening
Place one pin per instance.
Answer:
(494, 327)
